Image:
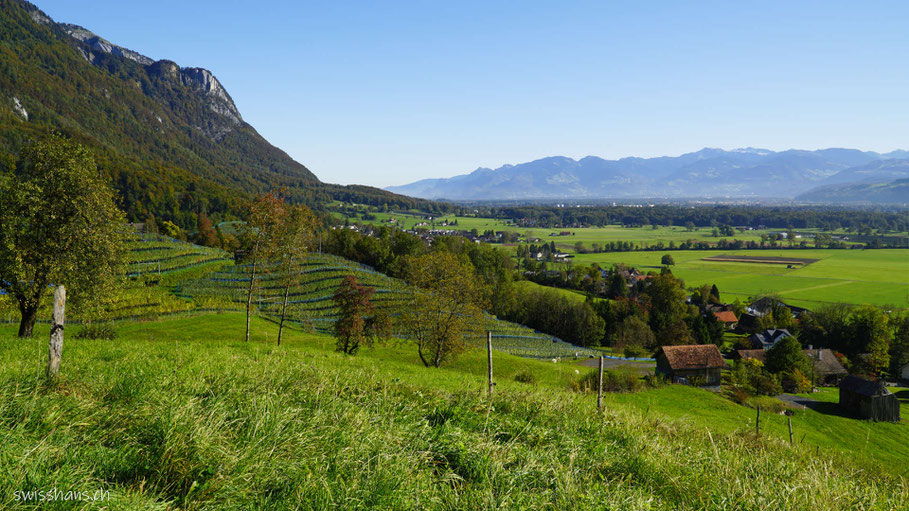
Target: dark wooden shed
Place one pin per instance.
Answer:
(868, 399)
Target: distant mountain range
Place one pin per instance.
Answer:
(708, 173)
(171, 138)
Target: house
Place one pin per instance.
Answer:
(768, 338)
(727, 318)
(827, 368)
(688, 364)
(868, 399)
(904, 372)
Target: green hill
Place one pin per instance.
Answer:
(182, 414)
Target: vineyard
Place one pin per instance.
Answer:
(310, 304)
(167, 277)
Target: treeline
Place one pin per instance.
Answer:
(826, 218)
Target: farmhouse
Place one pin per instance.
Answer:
(768, 338)
(727, 318)
(869, 400)
(700, 363)
(827, 368)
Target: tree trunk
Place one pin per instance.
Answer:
(55, 349)
(249, 292)
(27, 323)
(283, 314)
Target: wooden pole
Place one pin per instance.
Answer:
(55, 348)
(489, 359)
(600, 387)
(757, 422)
(789, 419)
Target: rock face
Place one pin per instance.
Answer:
(19, 109)
(97, 43)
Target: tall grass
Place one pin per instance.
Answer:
(175, 415)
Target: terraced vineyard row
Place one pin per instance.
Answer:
(310, 302)
(152, 254)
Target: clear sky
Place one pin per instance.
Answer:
(386, 93)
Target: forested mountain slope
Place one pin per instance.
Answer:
(171, 138)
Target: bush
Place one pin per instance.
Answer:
(636, 352)
(767, 385)
(525, 376)
(96, 331)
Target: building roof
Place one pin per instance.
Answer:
(726, 316)
(864, 387)
(825, 362)
(697, 356)
(758, 354)
(769, 337)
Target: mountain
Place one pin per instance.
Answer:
(716, 173)
(891, 192)
(876, 171)
(170, 137)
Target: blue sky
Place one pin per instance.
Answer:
(385, 93)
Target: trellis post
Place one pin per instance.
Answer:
(55, 348)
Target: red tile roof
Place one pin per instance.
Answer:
(726, 316)
(698, 356)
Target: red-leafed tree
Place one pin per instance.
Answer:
(356, 325)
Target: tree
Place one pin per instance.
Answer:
(668, 307)
(634, 332)
(58, 224)
(354, 307)
(786, 356)
(868, 329)
(667, 260)
(294, 238)
(443, 313)
(617, 285)
(266, 216)
(205, 232)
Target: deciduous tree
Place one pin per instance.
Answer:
(444, 315)
(59, 224)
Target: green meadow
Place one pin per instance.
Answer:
(879, 277)
(183, 414)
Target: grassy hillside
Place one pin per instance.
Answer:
(183, 414)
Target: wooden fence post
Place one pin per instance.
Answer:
(55, 349)
(789, 419)
(489, 359)
(600, 387)
(757, 422)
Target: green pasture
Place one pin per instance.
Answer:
(879, 277)
(183, 414)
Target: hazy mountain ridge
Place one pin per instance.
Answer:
(710, 172)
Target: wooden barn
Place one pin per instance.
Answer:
(688, 364)
(869, 400)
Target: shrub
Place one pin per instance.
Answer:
(636, 352)
(97, 331)
(767, 385)
(525, 376)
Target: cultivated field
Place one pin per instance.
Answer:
(879, 277)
